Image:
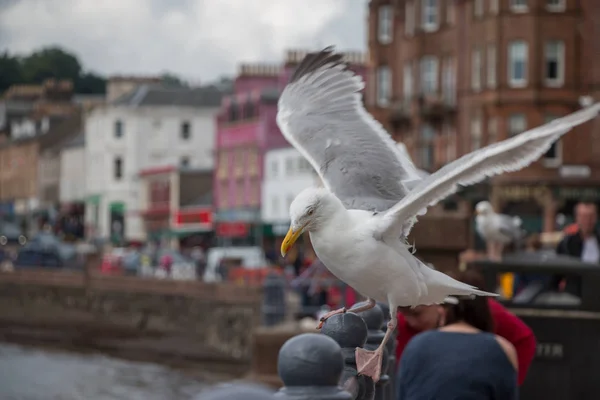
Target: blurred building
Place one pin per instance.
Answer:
(31, 120)
(176, 205)
(151, 126)
(247, 130)
(449, 77)
(286, 174)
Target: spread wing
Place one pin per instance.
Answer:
(506, 156)
(320, 112)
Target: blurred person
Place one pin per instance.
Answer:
(197, 254)
(506, 324)
(462, 359)
(584, 242)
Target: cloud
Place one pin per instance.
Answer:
(198, 39)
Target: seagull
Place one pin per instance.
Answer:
(359, 221)
(498, 230)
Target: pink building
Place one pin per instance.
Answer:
(246, 130)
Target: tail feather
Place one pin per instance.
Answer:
(438, 282)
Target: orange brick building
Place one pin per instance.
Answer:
(450, 76)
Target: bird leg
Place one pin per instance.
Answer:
(370, 304)
(368, 363)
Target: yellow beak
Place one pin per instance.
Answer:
(289, 240)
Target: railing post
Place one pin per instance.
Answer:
(237, 392)
(273, 307)
(391, 347)
(374, 319)
(350, 331)
(310, 366)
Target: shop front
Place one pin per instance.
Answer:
(238, 228)
(538, 205)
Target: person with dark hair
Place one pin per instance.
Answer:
(505, 324)
(463, 359)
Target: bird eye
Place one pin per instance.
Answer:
(311, 211)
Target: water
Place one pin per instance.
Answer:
(33, 374)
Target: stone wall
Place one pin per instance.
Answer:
(189, 320)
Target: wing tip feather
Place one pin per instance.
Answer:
(315, 60)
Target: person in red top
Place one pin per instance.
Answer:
(506, 324)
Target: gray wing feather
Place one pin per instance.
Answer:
(506, 156)
(321, 114)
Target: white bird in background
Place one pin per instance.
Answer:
(359, 222)
(497, 230)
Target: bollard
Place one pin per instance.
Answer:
(310, 366)
(273, 307)
(350, 331)
(392, 344)
(237, 392)
(374, 319)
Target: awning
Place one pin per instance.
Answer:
(117, 207)
(94, 199)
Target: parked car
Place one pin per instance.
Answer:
(10, 233)
(46, 250)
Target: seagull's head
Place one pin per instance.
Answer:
(484, 208)
(308, 212)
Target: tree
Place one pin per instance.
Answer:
(170, 79)
(50, 62)
(90, 83)
(10, 71)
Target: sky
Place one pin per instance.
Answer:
(199, 40)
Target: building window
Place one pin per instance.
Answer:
(223, 167)
(494, 6)
(552, 158)
(554, 63)
(476, 70)
(275, 206)
(408, 83)
(429, 15)
(304, 166)
(429, 75)
(252, 162)
(224, 195)
(185, 131)
(289, 166)
(517, 63)
(385, 24)
(518, 5)
(426, 146)
(476, 134)
(274, 168)
(383, 85)
(491, 66)
(478, 8)
(234, 112)
(118, 129)
(249, 109)
(449, 81)
(492, 129)
(450, 12)
(409, 18)
(517, 123)
(450, 135)
(118, 168)
(555, 5)
(185, 162)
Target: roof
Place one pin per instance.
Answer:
(77, 141)
(158, 95)
(61, 133)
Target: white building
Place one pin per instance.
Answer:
(152, 126)
(287, 173)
